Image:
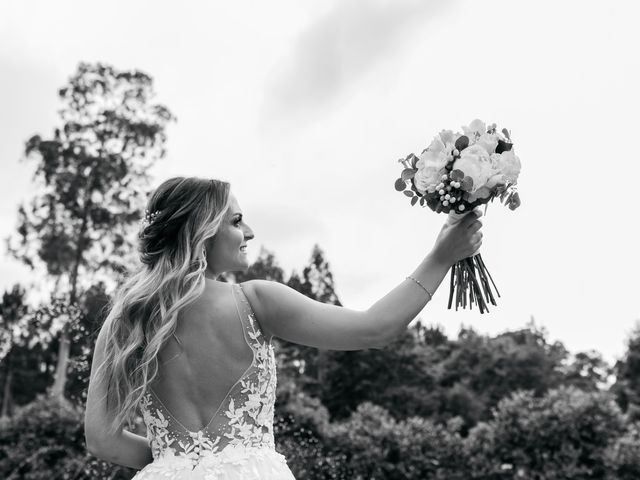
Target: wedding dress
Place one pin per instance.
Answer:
(238, 441)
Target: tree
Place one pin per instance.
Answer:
(627, 371)
(587, 371)
(264, 268)
(93, 176)
(307, 363)
(13, 311)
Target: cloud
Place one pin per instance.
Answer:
(329, 57)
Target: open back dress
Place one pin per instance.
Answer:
(238, 442)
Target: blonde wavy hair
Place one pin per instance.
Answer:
(145, 308)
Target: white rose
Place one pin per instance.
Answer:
(426, 180)
(476, 163)
(509, 165)
(448, 137)
(475, 128)
(489, 141)
(430, 166)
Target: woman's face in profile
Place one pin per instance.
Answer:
(226, 250)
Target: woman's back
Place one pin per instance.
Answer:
(210, 353)
(215, 394)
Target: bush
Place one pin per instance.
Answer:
(623, 457)
(44, 440)
(300, 433)
(379, 447)
(565, 434)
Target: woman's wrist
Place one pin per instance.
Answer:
(431, 272)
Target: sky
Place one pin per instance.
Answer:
(305, 107)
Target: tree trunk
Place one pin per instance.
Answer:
(6, 391)
(57, 390)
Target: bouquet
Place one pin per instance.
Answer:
(454, 174)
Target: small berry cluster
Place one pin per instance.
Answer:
(450, 193)
(450, 187)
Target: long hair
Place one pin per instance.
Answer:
(145, 308)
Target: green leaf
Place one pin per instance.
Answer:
(456, 175)
(414, 200)
(467, 183)
(462, 142)
(408, 173)
(400, 184)
(503, 146)
(408, 193)
(423, 201)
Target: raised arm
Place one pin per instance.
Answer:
(124, 448)
(289, 315)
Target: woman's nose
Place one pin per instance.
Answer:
(248, 233)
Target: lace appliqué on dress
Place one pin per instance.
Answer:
(243, 419)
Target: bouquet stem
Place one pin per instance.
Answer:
(471, 280)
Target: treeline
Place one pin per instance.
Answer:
(515, 405)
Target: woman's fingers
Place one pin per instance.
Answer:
(475, 226)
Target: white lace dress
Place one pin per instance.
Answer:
(238, 441)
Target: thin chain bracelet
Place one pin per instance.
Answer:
(421, 286)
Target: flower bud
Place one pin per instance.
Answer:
(441, 192)
(460, 207)
(445, 203)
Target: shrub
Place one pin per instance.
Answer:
(623, 456)
(564, 434)
(44, 440)
(379, 447)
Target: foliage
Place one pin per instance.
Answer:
(627, 370)
(588, 371)
(300, 431)
(623, 456)
(412, 449)
(564, 434)
(12, 311)
(45, 440)
(93, 179)
(265, 268)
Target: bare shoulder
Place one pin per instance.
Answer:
(260, 294)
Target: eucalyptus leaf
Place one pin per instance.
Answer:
(400, 184)
(506, 133)
(467, 183)
(414, 200)
(408, 173)
(462, 142)
(408, 193)
(456, 175)
(503, 146)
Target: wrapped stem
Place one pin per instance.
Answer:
(470, 280)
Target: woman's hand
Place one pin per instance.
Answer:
(459, 240)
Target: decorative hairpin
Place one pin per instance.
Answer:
(149, 217)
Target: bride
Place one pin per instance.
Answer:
(193, 354)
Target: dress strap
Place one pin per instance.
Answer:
(252, 316)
